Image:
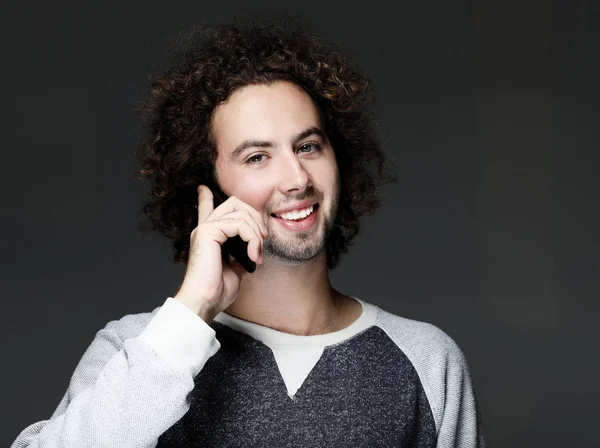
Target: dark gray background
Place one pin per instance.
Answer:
(490, 111)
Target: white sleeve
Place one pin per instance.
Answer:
(126, 392)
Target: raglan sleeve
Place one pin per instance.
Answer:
(461, 425)
(130, 386)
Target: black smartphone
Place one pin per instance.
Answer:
(234, 246)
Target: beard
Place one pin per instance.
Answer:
(303, 246)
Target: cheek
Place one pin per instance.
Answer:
(245, 188)
(330, 179)
(256, 196)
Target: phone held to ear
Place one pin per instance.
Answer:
(234, 246)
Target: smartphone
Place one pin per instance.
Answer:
(234, 246)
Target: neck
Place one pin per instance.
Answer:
(292, 299)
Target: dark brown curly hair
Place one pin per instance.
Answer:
(179, 152)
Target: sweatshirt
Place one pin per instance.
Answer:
(167, 378)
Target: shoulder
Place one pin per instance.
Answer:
(439, 362)
(422, 342)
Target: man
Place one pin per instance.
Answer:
(277, 121)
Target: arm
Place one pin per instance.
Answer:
(461, 424)
(127, 391)
(444, 375)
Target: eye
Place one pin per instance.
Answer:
(315, 146)
(252, 160)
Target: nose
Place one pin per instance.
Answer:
(293, 175)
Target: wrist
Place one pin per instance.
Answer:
(205, 311)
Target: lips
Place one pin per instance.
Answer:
(298, 206)
(279, 213)
(302, 224)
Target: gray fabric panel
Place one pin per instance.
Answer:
(363, 392)
(444, 374)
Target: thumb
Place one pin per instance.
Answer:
(205, 203)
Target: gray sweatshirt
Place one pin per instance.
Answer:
(166, 378)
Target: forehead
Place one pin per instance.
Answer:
(264, 112)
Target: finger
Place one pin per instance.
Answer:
(254, 249)
(258, 218)
(234, 204)
(226, 228)
(243, 215)
(205, 203)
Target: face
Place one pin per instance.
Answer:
(273, 154)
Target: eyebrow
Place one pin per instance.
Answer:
(269, 144)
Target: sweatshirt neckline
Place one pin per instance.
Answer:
(272, 337)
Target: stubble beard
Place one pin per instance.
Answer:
(296, 249)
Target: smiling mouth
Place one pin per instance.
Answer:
(315, 208)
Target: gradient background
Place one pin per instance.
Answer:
(490, 112)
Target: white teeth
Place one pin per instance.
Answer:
(297, 214)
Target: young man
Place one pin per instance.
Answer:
(276, 120)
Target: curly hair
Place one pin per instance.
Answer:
(179, 151)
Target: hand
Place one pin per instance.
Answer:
(210, 285)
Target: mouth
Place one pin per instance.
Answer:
(315, 207)
(299, 224)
